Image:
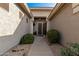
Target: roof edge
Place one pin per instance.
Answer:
(55, 9)
(41, 9)
(24, 9)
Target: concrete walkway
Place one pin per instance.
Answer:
(40, 48)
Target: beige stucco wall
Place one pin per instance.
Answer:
(13, 26)
(67, 23)
(40, 13)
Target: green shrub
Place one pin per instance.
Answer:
(73, 50)
(66, 52)
(53, 36)
(27, 39)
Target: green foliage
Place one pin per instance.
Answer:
(53, 36)
(73, 50)
(27, 39)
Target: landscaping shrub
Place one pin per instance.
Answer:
(27, 39)
(73, 50)
(53, 36)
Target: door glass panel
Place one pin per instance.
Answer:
(44, 28)
(39, 28)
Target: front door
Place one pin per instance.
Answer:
(41, 28)
(39, 31)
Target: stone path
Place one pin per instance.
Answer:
(40, 48)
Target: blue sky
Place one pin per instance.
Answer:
(38, 5)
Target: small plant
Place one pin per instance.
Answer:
(27, 39)
(53, 36)
(66, 52)
(73, 50)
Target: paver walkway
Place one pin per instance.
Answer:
(40, 48)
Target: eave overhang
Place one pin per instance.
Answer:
(40, 9)
(55, 10)
(24, 9)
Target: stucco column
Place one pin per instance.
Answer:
(48, 24)
(31, 25)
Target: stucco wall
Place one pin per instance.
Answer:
(13, 26)
(67, 23)
(42, 13)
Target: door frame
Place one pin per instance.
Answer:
(41, 28)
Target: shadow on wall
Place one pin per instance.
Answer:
(5, 6)
(18, 31)
(9, 41)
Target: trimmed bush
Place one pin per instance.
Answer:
(73, 50)
(53, 36)
(27, 39)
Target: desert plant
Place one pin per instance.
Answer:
(73, 50)
(66, 52)
(27, 39)
(53, 36)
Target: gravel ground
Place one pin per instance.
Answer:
(19, 50)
